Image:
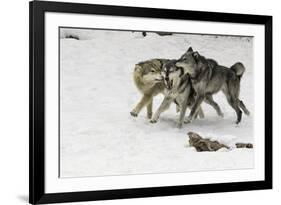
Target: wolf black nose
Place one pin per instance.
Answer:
(167, 78)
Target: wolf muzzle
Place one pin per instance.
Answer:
(168, 83)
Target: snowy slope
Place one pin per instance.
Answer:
(98, 135)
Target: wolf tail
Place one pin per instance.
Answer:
(238, 69)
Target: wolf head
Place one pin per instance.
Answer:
(191, 62)
(171, 73)
(149, 72)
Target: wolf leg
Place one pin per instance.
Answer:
(232, 92)
(195, 109)
(182, 113)
(234, 103)
(209, 100)
(143, 102)
(177, 106)
(196, 115)
(243, 107)
(149, 108)
(200, 112)
(164, 106)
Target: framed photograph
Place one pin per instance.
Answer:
(130, 102)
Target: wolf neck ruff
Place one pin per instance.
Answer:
(198, 77)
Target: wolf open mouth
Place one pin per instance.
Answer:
(169, 84)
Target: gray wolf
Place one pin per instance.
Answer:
(149, 81)
(178, 90)
(208, 77)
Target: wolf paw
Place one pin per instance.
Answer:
(153, 121)
(179, 125)
(237, 122)
(187, 121)
(221, 115)
(134, 114)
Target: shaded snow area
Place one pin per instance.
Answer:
(99, 137)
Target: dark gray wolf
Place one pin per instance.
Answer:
(208, 77)
(178, 90)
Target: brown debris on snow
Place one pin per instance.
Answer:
(202, 144)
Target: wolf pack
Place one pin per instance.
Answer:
(188, 82)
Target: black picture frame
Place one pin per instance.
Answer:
(37, 9)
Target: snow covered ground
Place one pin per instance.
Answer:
(99, 137)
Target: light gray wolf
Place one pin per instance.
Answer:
(208, 77)
(149, 81)
(178, 90)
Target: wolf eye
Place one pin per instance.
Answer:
(152, 71)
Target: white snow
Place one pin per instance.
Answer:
(99, 137)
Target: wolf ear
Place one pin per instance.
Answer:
(137, 68)
(190, 49)
(195, 55)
